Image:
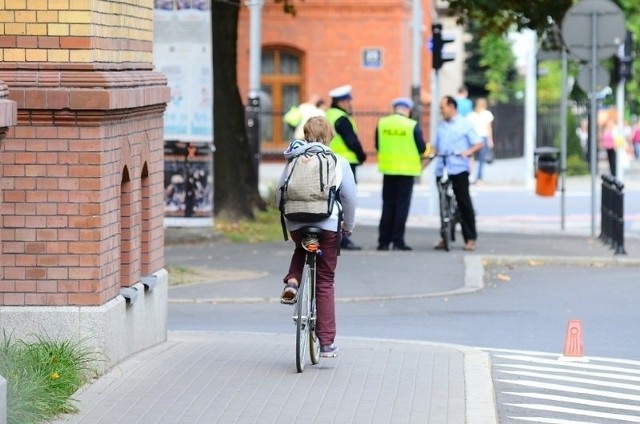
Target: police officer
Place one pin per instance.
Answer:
(345, 142)
(400, 145)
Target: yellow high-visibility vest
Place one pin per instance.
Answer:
(397, 150)
(337, 144)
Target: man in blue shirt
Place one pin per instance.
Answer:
(457, 139)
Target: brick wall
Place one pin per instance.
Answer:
(82, 172)
(331, 34)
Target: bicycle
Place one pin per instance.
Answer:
(304, 315)
(449, 214)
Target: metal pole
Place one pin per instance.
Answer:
(433, 128)
(255, 57)
(530, 109)
(563, 138)
(620, 110)
(416, 29)
(593, 134)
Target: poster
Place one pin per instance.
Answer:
(182, 52)
(188, 182)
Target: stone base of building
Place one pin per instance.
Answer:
(116, 330)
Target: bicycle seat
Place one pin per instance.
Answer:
(312, 230)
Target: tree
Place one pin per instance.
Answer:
(500, 16)
(236, 194)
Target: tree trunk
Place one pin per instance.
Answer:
(235, 190)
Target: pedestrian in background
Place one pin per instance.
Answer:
(482, 120)
(608, 136)
(400, 144)
(457, 140)
(465, 105)
(345, 142)
(308, 109)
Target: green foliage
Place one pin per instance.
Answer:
(498, 17)
(576, 165)
(42, 376)
(499, 61)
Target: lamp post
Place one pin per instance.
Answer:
(253, 106)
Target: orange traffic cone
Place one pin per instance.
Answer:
(573, 346)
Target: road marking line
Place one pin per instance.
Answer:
(574, 380)
(568, 399)
(550, 420)
(629, 418)
(572, 389)
(569, 371)
(569, 364)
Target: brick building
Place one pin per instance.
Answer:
(367, 44)
(82, 175)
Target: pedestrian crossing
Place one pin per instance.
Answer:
(536, 387)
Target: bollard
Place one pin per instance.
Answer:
(612, 213)
(618, 213)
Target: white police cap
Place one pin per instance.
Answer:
(341, 93)
(402, 101)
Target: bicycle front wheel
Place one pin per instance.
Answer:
(445, 219)
(302, 319)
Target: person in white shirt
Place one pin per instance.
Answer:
(482, 120)
(308, 109)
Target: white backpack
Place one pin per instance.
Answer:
(309, 192)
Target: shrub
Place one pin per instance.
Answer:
(42, 376)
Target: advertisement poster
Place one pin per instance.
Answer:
(182, 52)
(188, 183)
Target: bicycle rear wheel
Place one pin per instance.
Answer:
(445, 218)
(314, 343)
(302, 318)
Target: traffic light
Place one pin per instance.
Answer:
(623, 62)
(438, 40)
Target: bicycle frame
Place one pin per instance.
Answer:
(448, 207)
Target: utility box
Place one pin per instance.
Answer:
(547, 168)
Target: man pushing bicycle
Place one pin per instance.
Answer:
(455, 143)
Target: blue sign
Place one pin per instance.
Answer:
(372, 58)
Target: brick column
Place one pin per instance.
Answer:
(82, 174)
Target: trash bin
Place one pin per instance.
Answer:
(547, 166)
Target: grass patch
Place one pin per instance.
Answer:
(180, 275)
(42, 376)
(265, 227)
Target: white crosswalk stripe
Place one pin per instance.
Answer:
(538, 387)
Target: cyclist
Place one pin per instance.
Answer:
(318, 131)
(456, 137)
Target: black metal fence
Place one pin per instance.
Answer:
(508, 127)
(612, 213)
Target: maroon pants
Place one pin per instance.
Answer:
(325, 278)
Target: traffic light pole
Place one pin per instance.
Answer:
(416, 10)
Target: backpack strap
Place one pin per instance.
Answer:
(281, 207)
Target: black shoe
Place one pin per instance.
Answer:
(349, 245)
(383, 247)
(403, 247)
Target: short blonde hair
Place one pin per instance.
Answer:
(318, 129)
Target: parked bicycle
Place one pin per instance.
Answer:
(304, 315)
(449, 214)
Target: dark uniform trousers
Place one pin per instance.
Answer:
(396, 201)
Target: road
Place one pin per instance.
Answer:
(520, 317)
